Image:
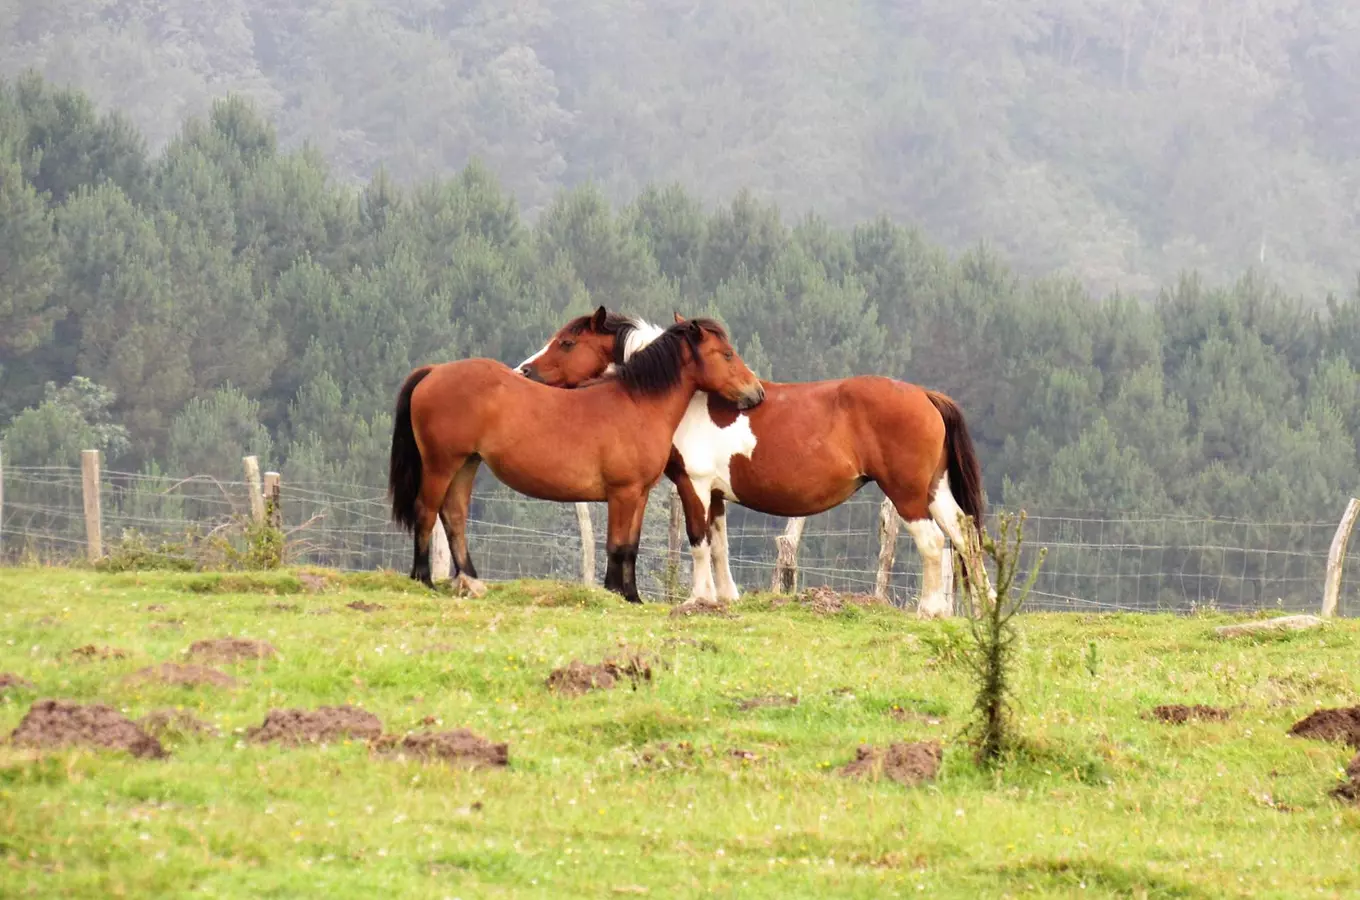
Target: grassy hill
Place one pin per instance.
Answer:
(705, 779)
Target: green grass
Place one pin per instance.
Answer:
(1099, 802)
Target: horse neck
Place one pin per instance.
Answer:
(674, 403)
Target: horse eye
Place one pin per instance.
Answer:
(567, 345)
(728, 356)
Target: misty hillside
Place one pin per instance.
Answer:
(1120, 141)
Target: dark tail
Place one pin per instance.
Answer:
(965, 473)
(404, 468)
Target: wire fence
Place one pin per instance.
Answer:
(1095, 562)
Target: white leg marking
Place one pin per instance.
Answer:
(701, 589)
(945, 510)
(726, 584)
(934, 603)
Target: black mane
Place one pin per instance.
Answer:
(656, 368)
(620, 326)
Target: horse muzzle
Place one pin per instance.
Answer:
(751, 397)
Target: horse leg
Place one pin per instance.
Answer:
(912, 504)
(946, 511)
(620, 574)
(434, 485)
(717, 538)
(693, 502)
(454, 512)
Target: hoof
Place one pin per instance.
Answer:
(469, 586)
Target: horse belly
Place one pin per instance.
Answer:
(794, 486)
(547, 472)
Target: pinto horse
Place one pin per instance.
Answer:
(610, 442)
(806, 449)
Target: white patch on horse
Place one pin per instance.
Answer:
(707, 450)
(641, 335)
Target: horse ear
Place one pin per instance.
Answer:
(597, 320)
(679, 318)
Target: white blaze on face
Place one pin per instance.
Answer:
(521, 366)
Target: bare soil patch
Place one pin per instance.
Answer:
(283, 607)
(172, 722)
(1178, 714)
(1342, 725)
(769, 700)
(577, 677)
(183, 674)
(365, 607)
(904, 763)
(156, 607)
(60, 723)
(10, 680)
(92, 651)
(460, 746)
(310, 726)
(230, 650)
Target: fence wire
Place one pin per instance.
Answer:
(1094, 562)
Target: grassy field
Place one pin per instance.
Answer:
(637, 791)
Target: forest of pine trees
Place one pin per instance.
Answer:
(223, 297)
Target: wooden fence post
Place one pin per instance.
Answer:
(1336, 557)
(587, 543)
(94, 538)
(441, 556)
(785, 580)
(887, 547)
(273, 499)
(674, 541)
(252, 467)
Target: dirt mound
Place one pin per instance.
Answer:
(325, 723)
(10, 680)
(1330, 725)
(826, 602)
(362, 606)
(577, 678)
(1177, 714)
(230, 650)
(700, 608)
(60, 723)
(460, 746)
(770, 700)
(1353, 770)
(91, 651)
(163, 722)
(904, 763)
(183, 674)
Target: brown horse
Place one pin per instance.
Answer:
(610, 442)
(807, 448)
